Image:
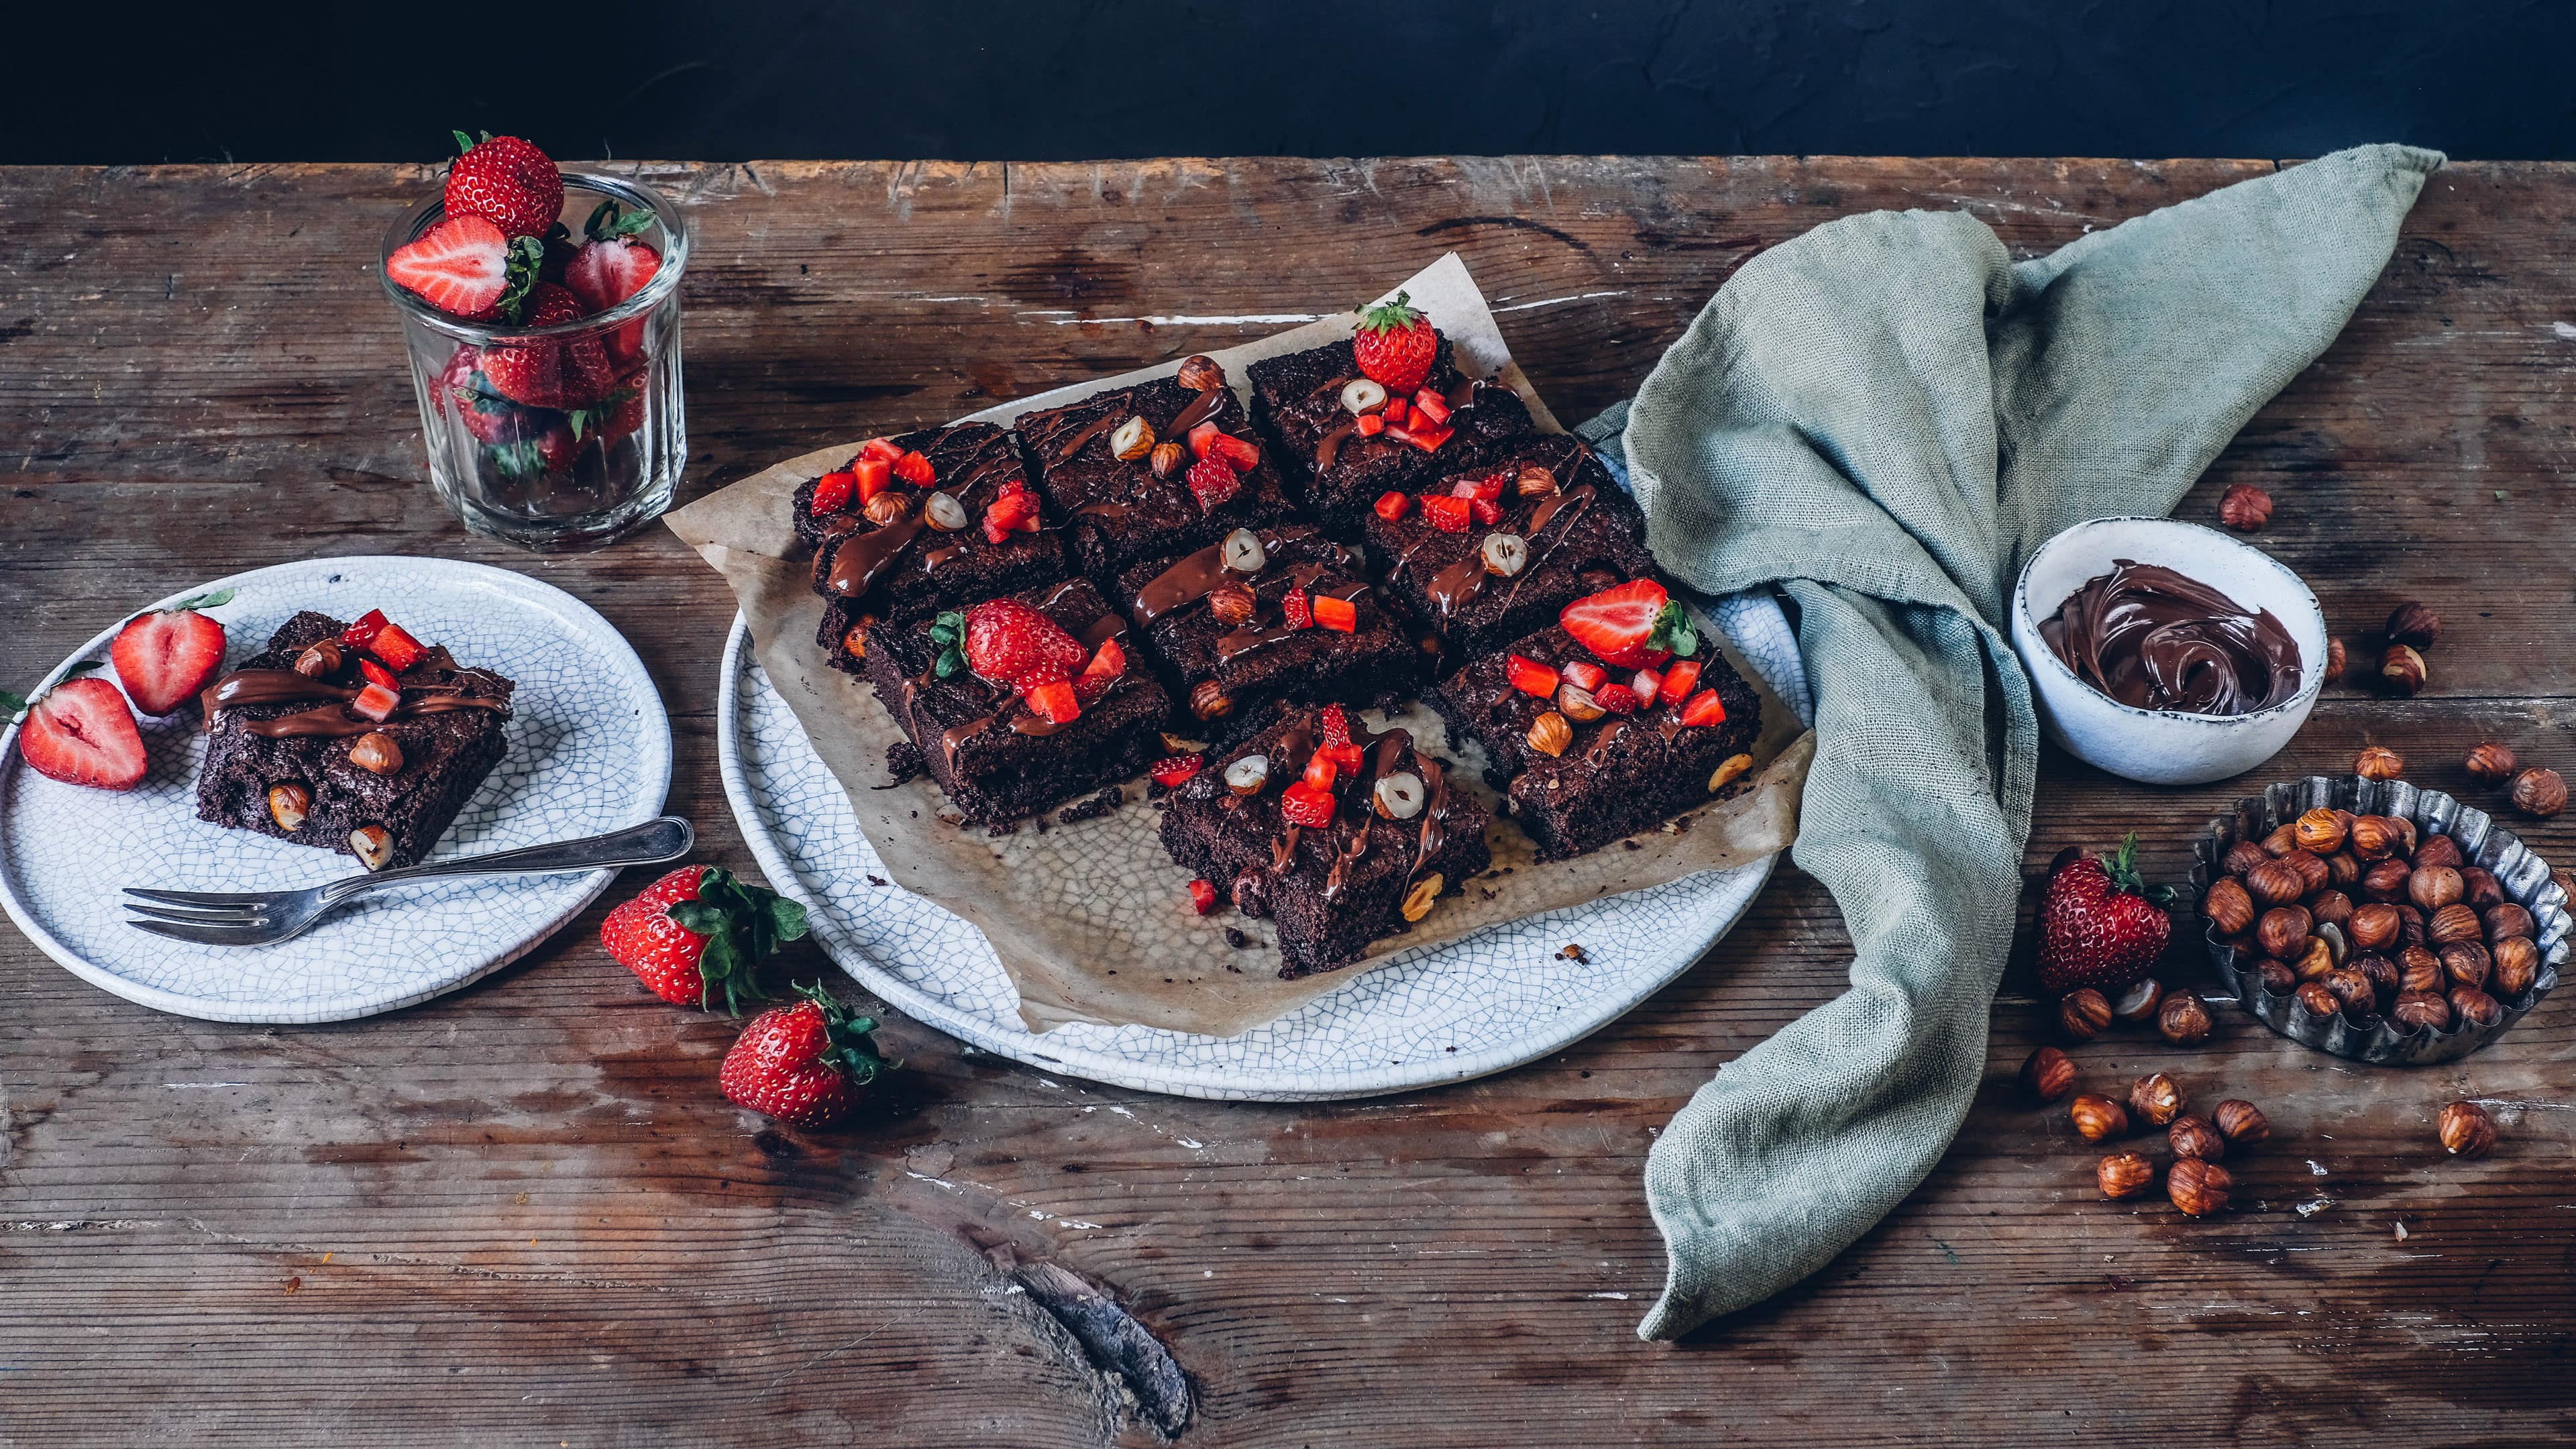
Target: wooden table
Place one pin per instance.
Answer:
(522, 1214)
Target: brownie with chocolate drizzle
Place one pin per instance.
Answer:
(1297, 400)
(1566, 529)
(997, 759)
(1119, 512)
(1401, 835)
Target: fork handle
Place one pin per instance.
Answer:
(654, 841)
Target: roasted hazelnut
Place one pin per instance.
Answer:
(1167, 458)
(1534, 481)
(1419, 900)
(2385, 882)
(2373, 837)
(2311, 869)
(2372, 927)
(2283, 931)
(2379, 763)
(2243, 856)
(942, 511)
(1577, 704)
(288, 804)
(2140, 1001)
(2475, 1007)
(2227, 906)
(2315, 959)
(1200, 374)
(2275, 883)
(2480, 888)
(2414, 625)
(320, 661)
(2277, 979)
(2438, 850)
(2466, 963)
(2565, 882)
(2241, 1122)
(2280, 842)
(2183, 1020)
(2491, 761)
(2245, 508)
(1549, 734)
(2406, 833)
(2124, 1174)
(2504, 919)
(2194, 1137)
(2401, 670)
(2156, 1099)
(1208, 700)
(2465, 1129)
(2454, 922)
(1132, 439)
(1233, 603)
(2433, 887)
(2318, 832)
(2081, 1015)
(2336, 660)
(2330, 907)
(2418, 1010)
(889, 507)
(2410, 926)
(2538, 793)
(2198, 1188)
(2517, 965)
(373, 845)
(376, 753)
(2099, 1118)
(2382, 975)
(1727, 771)
(2352, 990)
(2049, 1074)
(2343, 868)
(2316, 1000)
(2418, 969)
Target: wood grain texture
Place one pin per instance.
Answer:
(523, 1214)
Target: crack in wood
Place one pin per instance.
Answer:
(1116, 1344)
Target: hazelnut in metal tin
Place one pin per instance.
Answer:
(2439, 850)
(2517, 965)
(2311, 868)
(2421, 1010)
(2316, 1000)
(2418, 969)
(2243, 856)
(2454, 922)
(2385, 882)
(2351, 989)
(2280, 842)
(2283, 931)
(2330, 907)
(2382, 975)
(2372, 927)
(2372, 837)
(2227, 906)
(2343, 868)
(2432, 887)
(2466, 963)
(2481, 889)
(2277, 979)
(2505, 918)
(2410, 926)
(2319, 832)
(2315, 959)
(2475, 1007)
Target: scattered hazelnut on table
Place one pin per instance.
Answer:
(2241, 1122)
(2466, 1129)
(2183, 1021)
(2198, 1188)
(2049, 1074)
(2492, 762)
(2401, 670)
(288, 804)
(2538, 793)
(2124, 1174)
(2414, 625)
(2194, 1137)
(2138, 1004)
(2082, 1014)
(2336, 660)
(2157, 1099)
(2227, 906)
(2378, 762)
(2245, 508)
(2099, 1118)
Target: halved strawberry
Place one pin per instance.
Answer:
(81, 733)
(1449, 515)
(1679, 680)
(375, 673)
(1321, 771)
(166, 656)
(606, 272)
(1704, 708)
(1583, 674)
(1011, 645)
(832, 491)
(914, 469)
(1431, 404)
(884, 450)
(1305, 805)
(1298, 609)
(375, 702)
(870, 477)
(1055, 702)
(362, 633)
(1392, 506)
(1634, 625)
(1202, 897)
(1213, 482)
(394, 645)
(466, 267)
(1173, 771)
(1203, 438)
(1242, 454)
(1646, 683)
(1529, 676)
(1337, 614)
(1368, 425)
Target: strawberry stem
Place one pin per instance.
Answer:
(2122, 867)
(744, 925)
(852, 1050)
(1395, 316)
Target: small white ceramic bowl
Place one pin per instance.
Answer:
(2153, 746)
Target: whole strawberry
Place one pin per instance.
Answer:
(2100, 924)
(697, 932)
(507, 182)
(803, 1061)
(1395, 346)
(548, 373)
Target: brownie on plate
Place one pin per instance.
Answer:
(1560, 528)
(316, 757)
(1157, 501)
(1297, 399)
(1268, 615)
(994, 749)
(1333, 866)
(903, 561)
(1608, 776)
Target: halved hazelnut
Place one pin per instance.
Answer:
(1242, 552)
(1727, 769)
(1246, 776)
(2139, 1002)
(943, 511)
(288, 805)
(1549, 734)
(1399, 796)
(1505, 554)
(1362, 395)
(1132, 440)
(320, 661)
(1417, 901)
(1578, 704)
(373, 845)
(376, 753)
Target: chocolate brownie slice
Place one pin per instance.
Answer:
(269, 727)
(997, 758)
(1614, 775)
(1297, 399)
(1565, 527)
(1387, 853)
(1121, 512)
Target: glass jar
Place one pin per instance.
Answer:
(594, 445)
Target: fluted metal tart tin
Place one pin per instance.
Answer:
(2375, 1039)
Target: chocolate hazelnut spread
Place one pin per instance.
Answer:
(2155, 639)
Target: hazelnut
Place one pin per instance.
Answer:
(1233, 603)
(1577, 703)
(2343, 868)
(2405, 829)
(2316, 1000)
(2319, 832)
(2538, 793)
(2081, 1015)
(2227, 906)
(320, 661)
(376, 753)
(2454, 922)
(2466, 963)
(2049, 1074)
(2311, 868)
(1418, 901)
(2439, 850)
(2283, 931)
(2315, 960)
(1726, 771)
(890, 506)
(1534, 482)
(1132, 439)
(2492, 762)
(1200, 374)
(2475, 1007)
(2275, 883)
(2156, 1099)
(2198, 1188)
(1208, 701)
(2506, 919)
(2433, 887)
(2277, 979)
(2241, 1122)
(2382, 975)
(2373, 837)
(2466, 1129)
(2417, 1010)
(942, 511)
(2331, 908)
(1504, 554)
(2183, 1021)
(2139, 1002)
(1549, 734)
(2336, 660)
(373, 845)
(2194, 1137)
(1168, 458)
(2245, 508)
(2385, 882)
(2280, 842)
(2414, 625)
(2480, 888)
(2401, 670)
(2379, 763)
(2372, 927)
(2243, 856)
(2124, 1174)
(1363, 395)
(2351, 989)
(2517, 965)
(1247, 775)
(2410, 926)
(1243, 552)
(288, 804)
(2565, 882)
(2418, 969)
(2099, 1118)
(1398, 795)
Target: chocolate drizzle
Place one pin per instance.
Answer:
(2152, 638)
(863, 561)
(1388, 753)
(255, 687)
(1460, 582)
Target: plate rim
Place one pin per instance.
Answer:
(654, 741)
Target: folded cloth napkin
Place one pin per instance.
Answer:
(1884, 417)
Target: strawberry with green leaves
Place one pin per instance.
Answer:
(802, 1062)
(467, 267)
(611, 267)
(2100, 924)
(1634, 625)
(698, 933)
(505, 181)
(1395, 346)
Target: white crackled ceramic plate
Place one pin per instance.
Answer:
(590, 751)
(1439, 1014)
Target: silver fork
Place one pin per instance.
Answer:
(263, 918)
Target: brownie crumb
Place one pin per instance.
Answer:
(876, 880)
(904, 762)
(1093, 808)
(1007, 827)
(1236, 938)
(1487, 893)
(1632, 845)
(1574, 953)
(1042, 825)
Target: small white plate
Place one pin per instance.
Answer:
(1439, 1014)
(590, 751)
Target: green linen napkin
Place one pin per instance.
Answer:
(1884, 417)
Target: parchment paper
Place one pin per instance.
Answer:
(1092, 920)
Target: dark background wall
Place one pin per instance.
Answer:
(1048, 79)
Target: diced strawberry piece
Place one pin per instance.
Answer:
(1335, 723)
(1055, 702)
(1583, 674)
(1705, 708)
(832, 491)
(1392, 506)
(1299, 608)
(1305, 805)
(1107, 662)
(1202, 438)
(1490, 487)
(1485, 511)
(1427, 439)
(1173, 771)
(1529, 676)
(1321, 770)
(1347, 758)
(1368, 425)
(872, 477)
(1009, 512)
(1680, 680)
(378, 674)
(396, 647)
(1431, 405)
(1449, 515)
(1202, 896)
(376, 701)
(363, 633)
(914, 469)
(1337, 614)
(1616, 699)
(1213, 482)
(1395, 412)
(1463, 488)
(1646, 683)
(1243, 453)
(881, 449)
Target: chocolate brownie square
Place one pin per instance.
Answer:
(997, 758)
(910, 568)
(1121, 512)
(1297, 399)
(1567, 529)
(1269, 615)
(268, 726)
(1331, 889)
(1615, 775)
